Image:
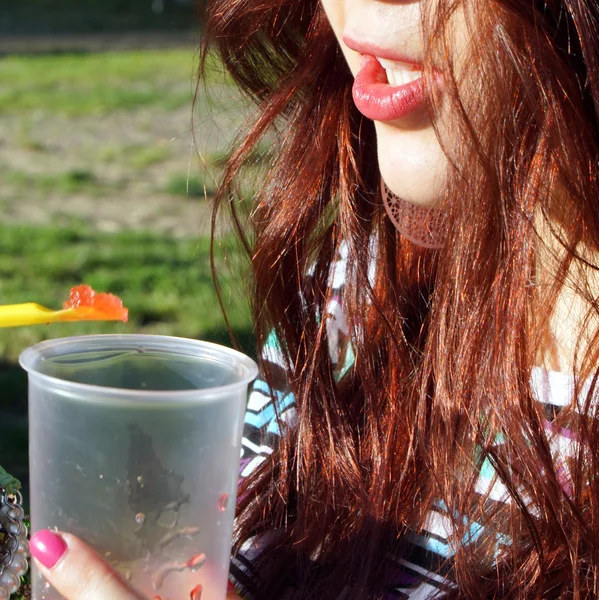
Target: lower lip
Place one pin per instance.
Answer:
(376, 99)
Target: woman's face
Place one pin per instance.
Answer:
(383, 44)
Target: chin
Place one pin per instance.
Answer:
(412, 163)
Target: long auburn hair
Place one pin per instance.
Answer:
(444, 341)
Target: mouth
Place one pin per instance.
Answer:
(386, 90)
(389, 85)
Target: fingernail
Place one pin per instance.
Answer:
(47, 547)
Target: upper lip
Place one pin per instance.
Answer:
(373, 49)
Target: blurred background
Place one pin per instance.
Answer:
(107, 167)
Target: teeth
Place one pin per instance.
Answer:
(399, 73)
(396, 77)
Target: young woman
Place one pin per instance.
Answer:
(425, 247)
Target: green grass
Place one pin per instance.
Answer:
(97, 84)
(165, 282)
(69, 182)
(134, 156)
(192, 186)
(259, 156)
(142, 157)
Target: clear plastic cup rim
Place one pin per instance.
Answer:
(242, 365)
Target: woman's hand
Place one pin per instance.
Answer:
(78, 572)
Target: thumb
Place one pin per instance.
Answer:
(75, 570)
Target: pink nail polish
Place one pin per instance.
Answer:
(47, 547)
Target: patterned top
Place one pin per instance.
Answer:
(420, 574)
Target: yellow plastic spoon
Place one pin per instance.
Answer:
(84, 304)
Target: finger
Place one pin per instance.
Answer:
(77, 571)
(232, 593)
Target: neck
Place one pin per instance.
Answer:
(571, 286)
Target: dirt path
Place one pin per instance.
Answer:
(113, 172)
(118, 170)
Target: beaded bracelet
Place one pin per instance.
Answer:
(14, 546)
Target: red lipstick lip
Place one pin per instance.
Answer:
(379, 101)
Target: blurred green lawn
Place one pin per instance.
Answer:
(165, 282)
(96, 84)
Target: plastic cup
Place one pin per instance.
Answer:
(134, 447)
